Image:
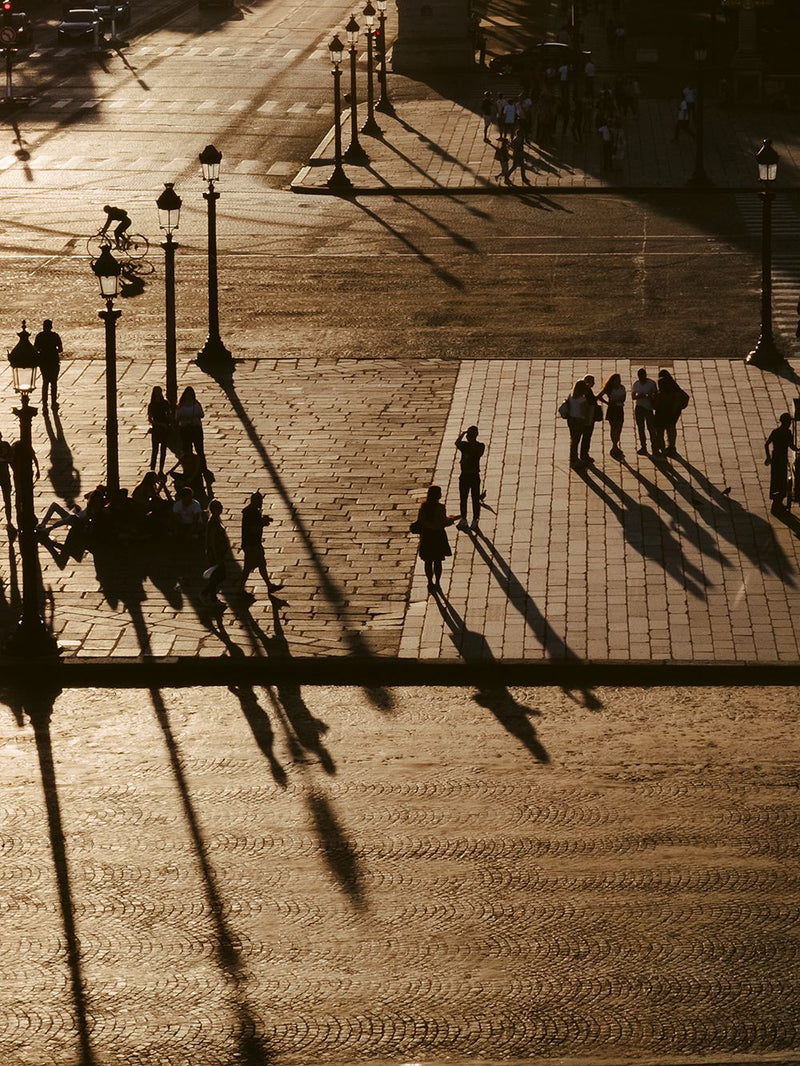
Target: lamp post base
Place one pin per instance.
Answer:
(385, 106)
(214, 355)
(339, 181)
(355, 154)
(31, 640)
(765, 355)
(371, 128)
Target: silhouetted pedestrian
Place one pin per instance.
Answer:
(48, 348)
(487, 113)
(159, 415)
(613, 393)
(434, 547)
(502, 156)
(469, 480)
(670, 401)
(643, 392)
(5, 484)
(780, 440)
(682, 125)
(217, 548)
(187, 515)
(594, 416)
(254, 522)
(518, 155)
(579, 411)
(607, 145)
(189, 417)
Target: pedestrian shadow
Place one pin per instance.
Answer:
(357, 644)
(64, 475)
(647, 533)
(36, 700)
(472, 646)
(522, 601)
(261, 728)
(749, 533)
(339, 853)
(252, 1047)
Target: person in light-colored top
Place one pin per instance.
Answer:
(579, 411)
(643, 391)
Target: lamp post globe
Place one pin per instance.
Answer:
(766, 354)
(31, 638)
(107, 270)
(169, 213)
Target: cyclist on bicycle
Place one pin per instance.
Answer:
(121, 216)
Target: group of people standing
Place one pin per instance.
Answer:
(657, 408)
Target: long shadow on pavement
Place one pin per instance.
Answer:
(514, 717)
(252, 1046)
(64, 475)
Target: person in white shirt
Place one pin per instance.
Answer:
(187, 514)
(643, 391)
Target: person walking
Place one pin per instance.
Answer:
(613, 394)
(670, 401)
(578, 414)
(682, 124)
(487, 113)
(431, 524)
(5, 484)
(48, 347)
(643, 392)
(254, 522)
(159, 415)
(189, 417)
(502, 157)
(607, 145)
(217, 549)
(518, 155)
(469, 480)
(780, 440)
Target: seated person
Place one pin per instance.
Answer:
(189, 471)
(151, 502)
(187, 515)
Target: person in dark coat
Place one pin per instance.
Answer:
(434, 547)
(48, 348)
(780, 440)
(669, 402)
(254, 522)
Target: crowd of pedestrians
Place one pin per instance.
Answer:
(657, 408)
(169, 506)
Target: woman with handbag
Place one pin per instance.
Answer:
(434, 547)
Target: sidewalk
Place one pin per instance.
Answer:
(633, 562)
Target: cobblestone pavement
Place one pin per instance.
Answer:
(632, 561)
(290, 876)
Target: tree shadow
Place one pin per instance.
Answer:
(64, 475)
(647, 533)
(514, 717)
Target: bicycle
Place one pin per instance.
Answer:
(134, 245)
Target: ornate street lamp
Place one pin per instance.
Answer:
(31, 638)
(370, 127)
(169, 213)
(338, 179)
(384, 104)
(107, 270)
(765, 354)
(213, 354)
(699, 178)
(354, 152)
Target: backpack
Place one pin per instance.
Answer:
(683, 399)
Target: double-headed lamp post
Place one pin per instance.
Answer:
(765, 354)
(107, 270)
(699, 178)
(354, 153)
(370, 127)
(31, 638)
(169, 213)
(384, 104)
(338, 180)
(213, 354)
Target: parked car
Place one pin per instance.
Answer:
(540, 57)
(24, 27)
(121, 10)
(78, 24)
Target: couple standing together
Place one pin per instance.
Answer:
(433, 519)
